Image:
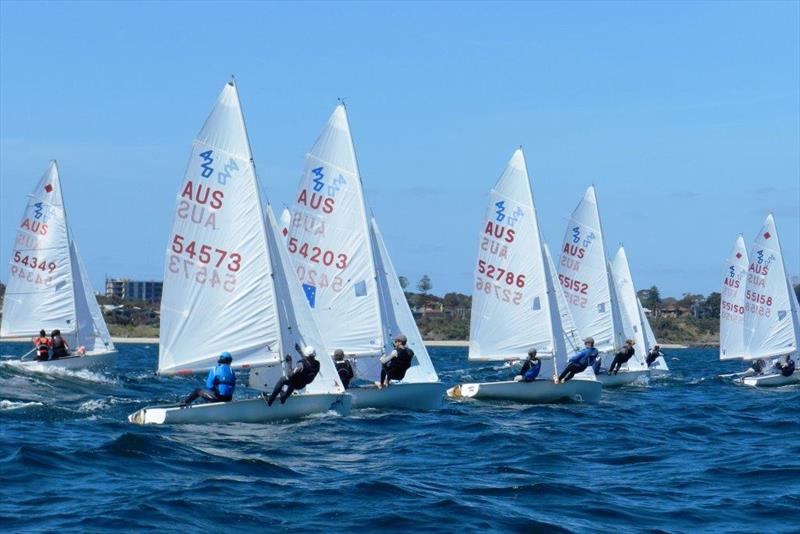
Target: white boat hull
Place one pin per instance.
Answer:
(408, 396)
(772, 380)
(536, 392)
(623, 378)
(87, 361)
(243, 411)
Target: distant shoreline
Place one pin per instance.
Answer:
(429, 343)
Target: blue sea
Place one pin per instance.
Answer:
(686, 453)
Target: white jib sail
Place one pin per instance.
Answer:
(218, 289)
(39, 292)
(650, 340)
(584, 276)
(330, 246)
(572, 337)
(795, 309)
(294, 315)
(92, 333)
(732, 304)
(769, 328)
(510, 304)
(397, 316)
(629, 304)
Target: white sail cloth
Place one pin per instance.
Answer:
(48, 287)
(769, 325)
(732, 304)
(330, 246)
(629, 306)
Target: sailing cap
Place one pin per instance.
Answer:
(225, 357)
(401, 338)
(589, 340)
(532, 353)
(309, 351)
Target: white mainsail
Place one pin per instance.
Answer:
(39, 293)
(511, 305)
(48, 287)
(330, 245)
(769, 326)
(629, 306)
(732, 304)
(584, 275)
(396, 314)
(219, 293)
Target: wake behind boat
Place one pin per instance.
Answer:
(48, 288)
(226, 288)
(342, 264)
(515, 306)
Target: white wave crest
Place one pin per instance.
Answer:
(17, 405)
(51, 370)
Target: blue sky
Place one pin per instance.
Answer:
(685, 115)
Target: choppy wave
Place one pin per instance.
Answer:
(687, 453)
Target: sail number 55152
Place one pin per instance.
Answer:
(206, 254)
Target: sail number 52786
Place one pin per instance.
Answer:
(500, 274)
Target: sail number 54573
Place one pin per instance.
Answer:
(206, 253)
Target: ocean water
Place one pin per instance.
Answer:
(687, 453)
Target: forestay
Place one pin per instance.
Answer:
(732, 304)
(511, 311)
(218, 289)
(629, 306)
(583, 274)
(396, 314)
(330, 246)
(39, 292)
(769, 328)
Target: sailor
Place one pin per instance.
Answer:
(530, 368)
(758, 366)
(395, 364)
(343, 367)
(42, 346)
(787, 367)
(654, 355)
(220, 383)
(624, 354)
(580, 361)
(302, 375)
(59, 344)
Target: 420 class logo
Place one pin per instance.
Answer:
(208, 170)
(500, 214)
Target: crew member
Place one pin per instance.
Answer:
(624, 354)
(59, 344)
(343, 367)
(787, 367)
(42, 344)
(302, 375)
(220, 383)
(580, 361)
(395, 364)
(530, 368)
(653, 355)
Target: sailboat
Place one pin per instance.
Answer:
(771, 326)
(588, 285)
(635, 323)
(351, 288)
(227, 285)
(48, 287)
(514, 304)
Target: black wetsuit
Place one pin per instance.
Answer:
(345, 370)
(788, 368)
(395, 369)
(59, 347)
(653, 356)
(302, 375)
(621, 357)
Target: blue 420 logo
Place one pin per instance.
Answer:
(318, 179)
(500, 212)
(208, 170)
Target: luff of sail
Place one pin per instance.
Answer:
(330, 246)
(397, 316)
(218, 289)
(584, 275)
(732, 303)
(572, 338)
(510, 303)
(769, 329)
(39, 293)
